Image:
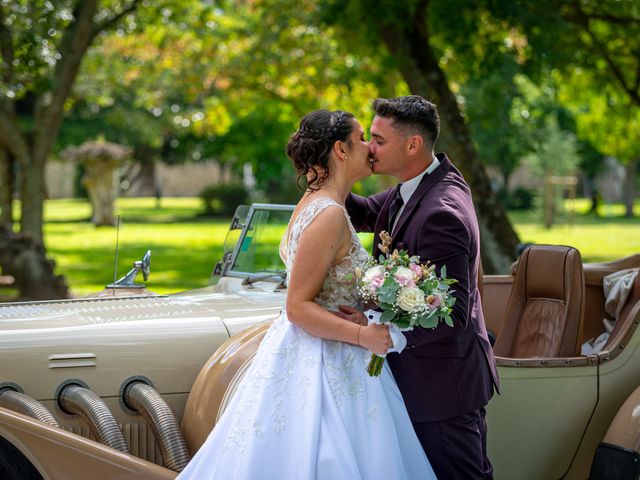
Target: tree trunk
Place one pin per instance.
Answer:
(506, 176)
(32, 153)
(146, 184)
(630, 186)
(32, 193)
(409, 43)
(49, 109)
(6, 190)
(24, 259)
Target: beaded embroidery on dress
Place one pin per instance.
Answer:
(306, 408)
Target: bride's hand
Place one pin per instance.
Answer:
(375, 338)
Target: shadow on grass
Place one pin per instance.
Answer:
(586, 219)
(590, 219)
(148, 219)
(73, 220)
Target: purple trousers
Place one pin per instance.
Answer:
(457, 447)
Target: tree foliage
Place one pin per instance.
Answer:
(229, 83)
(42, 45)
(598, 56)
(413, 35)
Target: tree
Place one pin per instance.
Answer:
(554, 154)
(228, 83)
(489, 107)
(409, 32)
(600, 45)
(608, 120)
(42, 48)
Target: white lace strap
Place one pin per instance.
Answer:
(305, 217)
(311, 211)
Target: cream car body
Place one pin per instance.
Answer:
(547, 423)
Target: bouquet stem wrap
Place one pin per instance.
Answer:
(375, 365)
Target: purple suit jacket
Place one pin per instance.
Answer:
(446, 371)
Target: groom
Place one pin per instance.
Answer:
(447, 374)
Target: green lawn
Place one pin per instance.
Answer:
(607, 237)
(185, 247)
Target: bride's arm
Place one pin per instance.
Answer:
(326, 239)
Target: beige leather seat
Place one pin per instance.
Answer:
(545, 312)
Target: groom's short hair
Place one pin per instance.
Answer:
(411, 113)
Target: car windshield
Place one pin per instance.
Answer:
(258, 250)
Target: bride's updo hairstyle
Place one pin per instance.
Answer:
(310, 146)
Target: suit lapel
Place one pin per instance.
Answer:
(428, 181)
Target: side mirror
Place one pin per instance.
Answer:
(128, 281)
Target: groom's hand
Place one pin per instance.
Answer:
(351, 314)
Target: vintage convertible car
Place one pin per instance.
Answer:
(128, 384)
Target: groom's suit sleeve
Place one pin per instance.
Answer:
(364, 211)
(444, 239)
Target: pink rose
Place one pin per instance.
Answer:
(434, 301)
(374, 277)
(417, 269)
(376, 283)
(405, 277)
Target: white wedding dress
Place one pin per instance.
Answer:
(307, 409)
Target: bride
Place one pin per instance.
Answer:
(307, 409)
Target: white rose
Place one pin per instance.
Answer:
(373, 273)
(405, 276)
(410, 299)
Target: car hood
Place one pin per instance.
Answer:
(236, 311)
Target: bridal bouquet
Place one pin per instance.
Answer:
(408, 293)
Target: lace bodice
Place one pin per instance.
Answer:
(339, 288)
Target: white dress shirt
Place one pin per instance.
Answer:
(408, 188)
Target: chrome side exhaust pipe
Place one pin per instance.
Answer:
(77, 400)
(144, 399)
(17, 401)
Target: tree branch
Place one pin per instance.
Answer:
(6, 48)
(107, 24)
(623, 21)
(73, 45)
(420, 19)
(617, 72)
(11, 138)
(582, 19)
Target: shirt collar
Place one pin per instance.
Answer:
(408, 188)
